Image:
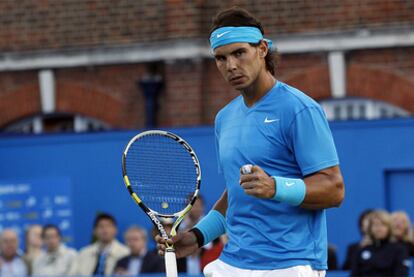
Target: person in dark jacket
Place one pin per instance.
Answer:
(140, 260)
(382, 257)
(402, 230)
(352, 249)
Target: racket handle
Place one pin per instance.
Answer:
(170, 264)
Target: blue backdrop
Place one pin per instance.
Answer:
(377, 161)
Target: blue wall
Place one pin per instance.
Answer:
(377, 161)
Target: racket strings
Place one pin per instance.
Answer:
(162, 173)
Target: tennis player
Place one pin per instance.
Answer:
(274, 216)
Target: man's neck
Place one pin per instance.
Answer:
(53, 250)
(33, 250)
(140, 253)
(103, 245)
(263, 84)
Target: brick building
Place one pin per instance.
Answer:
(84, 64)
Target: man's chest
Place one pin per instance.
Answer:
(255, 137)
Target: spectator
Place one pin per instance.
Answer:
(100, 257)
(401, 230)
(33, 241)
(332, 259)
(363, 223)
(11, 265)
(140, 260)
(57, 260)
(382, 257)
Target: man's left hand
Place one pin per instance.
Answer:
(258, 183)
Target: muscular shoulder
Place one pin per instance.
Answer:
(89, 249)
(294, 99)
(229, 109)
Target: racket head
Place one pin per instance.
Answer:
(162, 173)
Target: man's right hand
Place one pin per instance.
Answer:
(185, 244)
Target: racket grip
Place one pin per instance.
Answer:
(170, 264)
(246, 169)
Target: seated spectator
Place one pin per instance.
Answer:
(100, 257)
(332, 259)
(140, 260)
(33, 242)
(57, 260)
(11, 264)
(363, 223)
(382, 257)
(401, 230)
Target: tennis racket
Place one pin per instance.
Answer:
(162, 173)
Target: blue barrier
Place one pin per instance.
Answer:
(376, 161)
(329, 273)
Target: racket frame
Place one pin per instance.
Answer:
(154, 215)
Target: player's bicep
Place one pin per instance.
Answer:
(221, 204)
(312, 141)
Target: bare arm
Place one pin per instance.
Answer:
(221, 204)
(324, 189)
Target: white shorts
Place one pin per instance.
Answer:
(218, 268)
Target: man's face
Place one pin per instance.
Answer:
(9, 244)
(105, 231)
(34, 236)
(51, 239)
(136, 241)
(240, 63)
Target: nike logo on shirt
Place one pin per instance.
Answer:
(270, 120)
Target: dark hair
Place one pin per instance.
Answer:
(362, 217)
(237, 17)
(103, 216)
(48, 227)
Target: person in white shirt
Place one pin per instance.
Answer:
(140, 260)
(100, 257)
(58, 260)
(11, 264)
(33, 244)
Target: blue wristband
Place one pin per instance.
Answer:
(212, 226)
(289, 190)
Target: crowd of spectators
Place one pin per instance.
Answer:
(47, 255)
(384, 249)
(386, 246)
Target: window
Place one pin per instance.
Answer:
(360, 108)
(57, 122)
